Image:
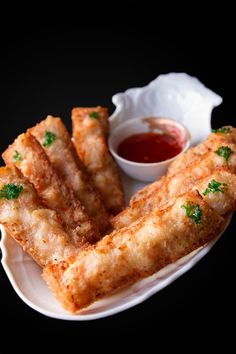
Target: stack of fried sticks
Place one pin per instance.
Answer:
(57, 204)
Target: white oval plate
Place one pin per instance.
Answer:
(175, 95)
(25, 277)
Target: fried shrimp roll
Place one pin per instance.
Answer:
(90, 131)
(38, 230)
(222, 136)
(219, 191)
(163, 191)
(135, 252)
(55, 139)
(28, 155)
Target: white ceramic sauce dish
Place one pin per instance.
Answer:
(147, 171)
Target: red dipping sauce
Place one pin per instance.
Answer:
(149, 147)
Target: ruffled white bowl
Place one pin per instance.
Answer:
(175, 95)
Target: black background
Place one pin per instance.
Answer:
(50, 63)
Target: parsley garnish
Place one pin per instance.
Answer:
(214, 187)
(223, 130)
(193, 211)
(49, 138)
(94, 115)
(17, 156)
(225, 152)
(10, 191)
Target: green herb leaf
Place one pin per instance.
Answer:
(223, 130)
(94, 115)
(17, 156)
(49, 138)
(10, 191)
(214, 187)
(193, 211)
(225, 152)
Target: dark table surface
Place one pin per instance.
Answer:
(54, 63)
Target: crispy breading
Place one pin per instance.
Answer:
(55, 194)
(90, 130)
(163, 192)
(65, 160)
(213, 141)
(38, 230)
(223, 198)
(132, 253)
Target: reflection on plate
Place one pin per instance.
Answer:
(25, 277)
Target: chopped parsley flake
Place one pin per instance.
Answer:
(193, 211)
(10, 191)
(225, 152)
(49, 138)
(17, 156)
(214, 187)
(94, 115)
(223, 130)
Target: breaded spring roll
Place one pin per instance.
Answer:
(27, 154)
(55, 139)
(90, 131)
(219, 191)
(223, 136)
(38, 230)
(169, 188)
(135, 252)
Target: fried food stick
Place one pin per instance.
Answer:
(213, 142)
(62, 155)
(27, 154)
(223, 136)
(219, 191)
(90, 131)
(135, 252)
(168, 188)
(38, 230)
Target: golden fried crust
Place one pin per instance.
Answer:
(55, 194)
(223, 201)
(168, 188)
(132, 253)
(213, 142)
(38, 230)
(65, 160)
(90, 139)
